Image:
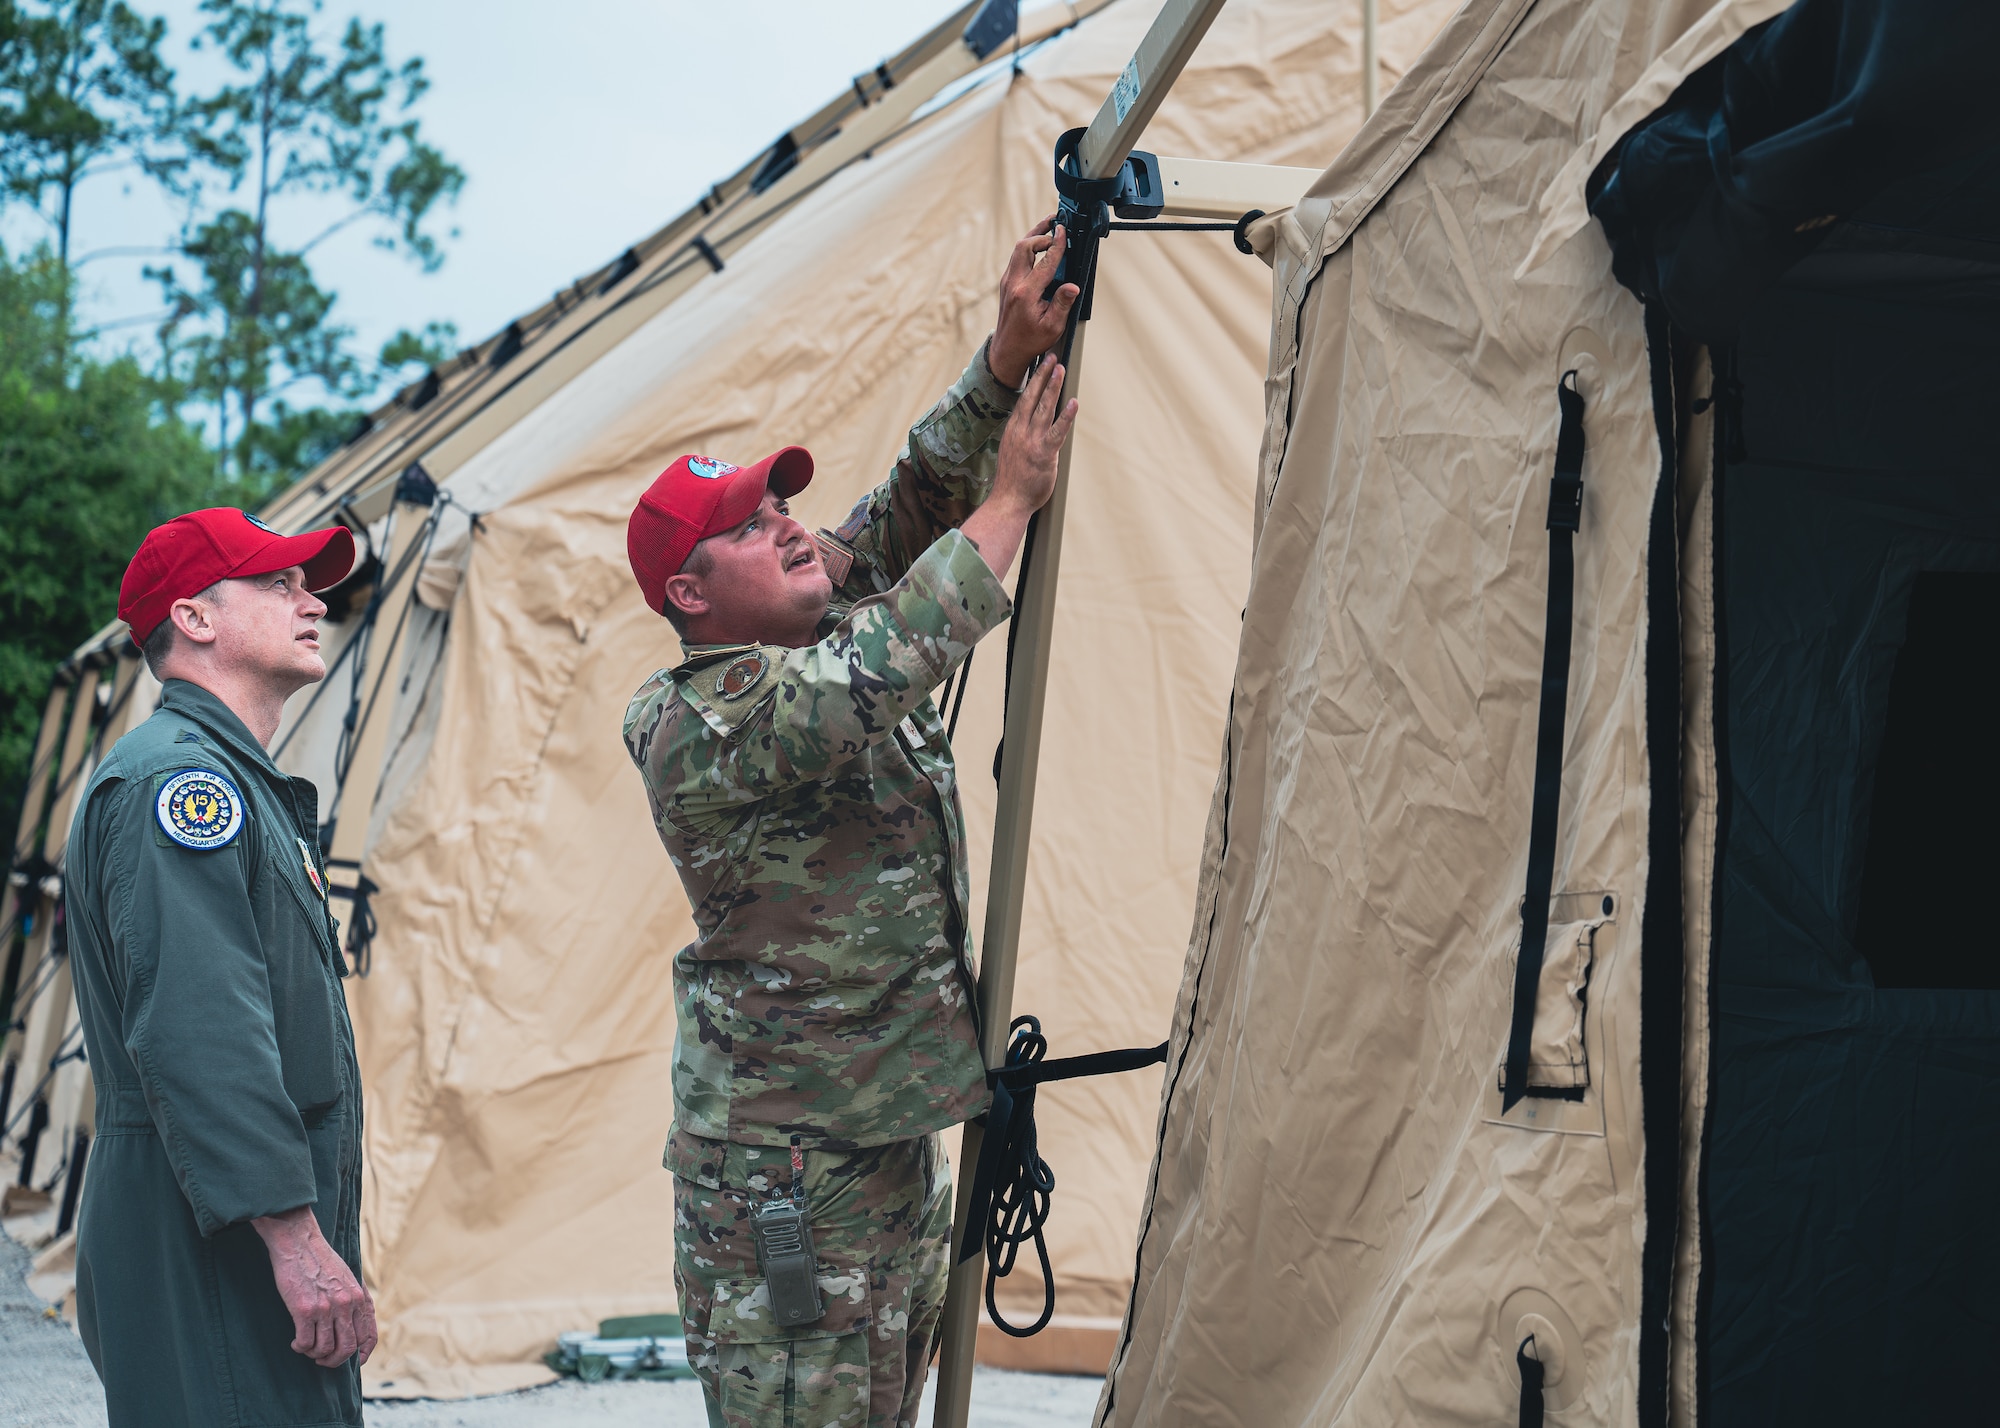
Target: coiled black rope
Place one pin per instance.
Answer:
(1013, 1187)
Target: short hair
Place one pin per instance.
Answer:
(697, 563)
(159, 645)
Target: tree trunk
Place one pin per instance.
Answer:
(254, 366)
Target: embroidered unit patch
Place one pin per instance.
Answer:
(740, 676)
(199, 808)
(312, 868)
(708, 468)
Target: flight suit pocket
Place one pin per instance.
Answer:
(1558, 1059)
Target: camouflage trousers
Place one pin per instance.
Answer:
(881, 1224)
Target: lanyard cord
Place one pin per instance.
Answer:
(1013, 1187)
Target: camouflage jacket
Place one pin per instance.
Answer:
(809, 802)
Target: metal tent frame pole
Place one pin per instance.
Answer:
(1370, 66)
(1161, 56)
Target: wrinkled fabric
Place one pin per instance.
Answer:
(519, 1022)
(1346, 1225)
(809, 802)
(881, 1225)
(208, 986)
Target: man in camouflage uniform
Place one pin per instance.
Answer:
(801, 781)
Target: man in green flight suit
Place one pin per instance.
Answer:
(218, 1252)
(800, 778)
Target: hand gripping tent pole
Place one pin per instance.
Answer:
(1161, 56)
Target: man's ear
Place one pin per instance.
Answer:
(193, 621)
(684, 593)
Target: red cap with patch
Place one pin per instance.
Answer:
(190, 553)
(698, 497)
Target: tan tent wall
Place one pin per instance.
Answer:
(112, 692)
(1343, 1227)
(516, 1030)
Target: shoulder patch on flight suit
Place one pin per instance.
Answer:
(200, 809)
(725, 692)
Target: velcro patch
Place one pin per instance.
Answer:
(200, 809)
(740, 675)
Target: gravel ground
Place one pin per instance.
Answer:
(46, 1382)
(45, 1379)
(999, 1400)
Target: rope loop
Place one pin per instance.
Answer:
(1012, 1186)
(1023, 1191)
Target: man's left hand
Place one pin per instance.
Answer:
(1029, 323)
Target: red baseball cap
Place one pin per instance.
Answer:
(190, 553)
(695, 498)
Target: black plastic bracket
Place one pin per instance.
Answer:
(996, 23)
(1084, 212)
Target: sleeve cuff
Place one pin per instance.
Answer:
(956, 576)
(988, 385)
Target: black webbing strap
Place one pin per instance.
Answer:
(1532, 1370)
(1565, 515)
(1012, 1186)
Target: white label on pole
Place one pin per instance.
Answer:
(1125, 93)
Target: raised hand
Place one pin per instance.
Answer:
(1031, 446)
(1030, 324)
(1030, 452)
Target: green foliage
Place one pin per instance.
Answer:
(304, 120)
(82, 87)
(263, 327)
(437, 342)
(95, 452)
(91, 458)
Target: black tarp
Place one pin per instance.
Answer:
(1804, 125)
(1851, 1233)
(1821, 206)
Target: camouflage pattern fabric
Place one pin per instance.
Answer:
(881, 1221)
(809, 802)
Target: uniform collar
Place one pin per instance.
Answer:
(217, 718)
(694, 656)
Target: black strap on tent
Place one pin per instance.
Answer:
(1532, 1370)
(1565, 516)
(1012, 1186)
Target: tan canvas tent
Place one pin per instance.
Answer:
(1751, 1183)
(515, 1026)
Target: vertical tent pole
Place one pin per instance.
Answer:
(45, 1020)
(1369, 64)
(15, 900)
(377, 704)
(1158, 62)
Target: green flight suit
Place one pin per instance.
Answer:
(207, 970)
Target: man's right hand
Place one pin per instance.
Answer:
(333, 1314)
(1030, 451)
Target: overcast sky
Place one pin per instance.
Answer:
(581, 126)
